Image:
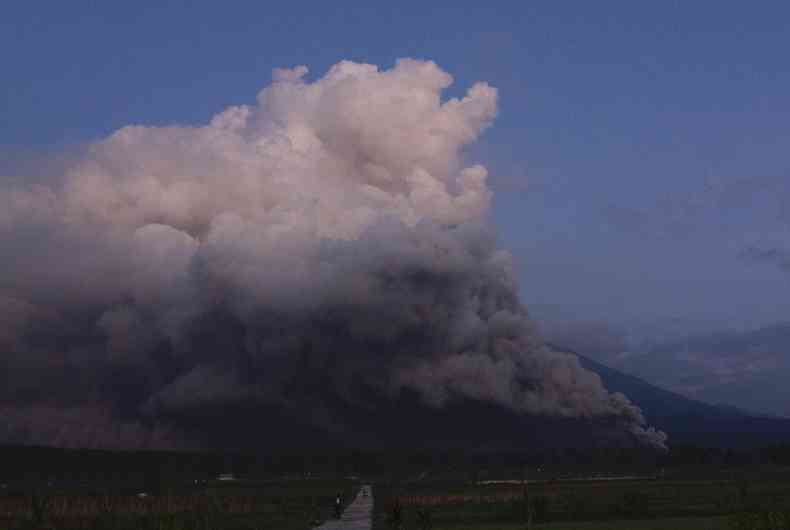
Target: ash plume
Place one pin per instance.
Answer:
(327, 240)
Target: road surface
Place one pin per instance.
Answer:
(357, 515)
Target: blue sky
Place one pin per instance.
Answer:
(640, 147)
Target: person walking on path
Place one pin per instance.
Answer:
(358, 514)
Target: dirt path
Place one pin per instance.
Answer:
(357, 515)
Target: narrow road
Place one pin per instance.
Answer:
(357, 515)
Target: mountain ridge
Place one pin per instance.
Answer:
(687, 420)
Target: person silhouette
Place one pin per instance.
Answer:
(338, 506)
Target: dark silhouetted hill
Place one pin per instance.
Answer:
(691, 421)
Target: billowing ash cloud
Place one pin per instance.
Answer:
(328, 239)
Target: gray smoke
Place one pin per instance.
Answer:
(328, 236)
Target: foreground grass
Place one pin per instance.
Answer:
(264, 505)
(761, 503)
(675, 523)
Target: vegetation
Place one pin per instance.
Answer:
(743, 500)
(283, 504)
(691, 487)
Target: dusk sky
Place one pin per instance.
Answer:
(639, 159)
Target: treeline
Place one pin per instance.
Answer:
(692, 455)
(150, 468)
(105, 471)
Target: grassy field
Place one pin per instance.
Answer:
(737, 503)
(259, 505)
(682, 523)
(757, 501)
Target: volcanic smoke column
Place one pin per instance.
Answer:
(329, 236)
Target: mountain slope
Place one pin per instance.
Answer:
(743, 369)
(690, 421)
(377, 422)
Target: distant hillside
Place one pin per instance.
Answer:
(407, 422)
(747, 370)
(379, 423)
(692, 421)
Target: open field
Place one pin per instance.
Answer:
(675, 523)
(743, 503)
(59, 490)
(759, 502)
(260, 505)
